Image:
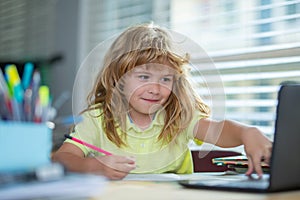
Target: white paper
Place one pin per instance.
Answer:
(172, 176)
(71, 186)
(152, 177)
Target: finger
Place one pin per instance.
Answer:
(113, 174)
(125, 164)
(257, 165)
(267, 156)
(125, 159)
(116, 175)
(111, 170)
(118, 163)
(250, 167)
(125, 167)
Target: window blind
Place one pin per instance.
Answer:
(105, 18)
(254, 45)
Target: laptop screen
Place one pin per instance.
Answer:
(285, 162)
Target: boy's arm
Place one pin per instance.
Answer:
(71, 157)
(113, 167)
(231, 134)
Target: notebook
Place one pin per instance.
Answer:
(284, 172)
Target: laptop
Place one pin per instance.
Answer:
(284, 172)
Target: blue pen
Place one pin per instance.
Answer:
(35, 105)
(17, 103)
(26, 81)
(27, 74)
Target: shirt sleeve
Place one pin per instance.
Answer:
(197, 116)
(88, 131)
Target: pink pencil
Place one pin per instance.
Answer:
(88, 145)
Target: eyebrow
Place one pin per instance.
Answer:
(144, 71)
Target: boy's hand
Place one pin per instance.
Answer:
(113, 167)
(258, 148)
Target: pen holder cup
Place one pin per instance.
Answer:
(24, 146)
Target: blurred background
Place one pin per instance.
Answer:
(254, 44)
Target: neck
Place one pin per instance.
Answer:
(143, 121)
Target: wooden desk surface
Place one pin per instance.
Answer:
(137, 190)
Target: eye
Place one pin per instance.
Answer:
(143, 77)
(167, 79)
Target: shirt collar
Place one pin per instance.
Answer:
(158, 120)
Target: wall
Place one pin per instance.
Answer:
(63, 73)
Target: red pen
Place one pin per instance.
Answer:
(88, 145)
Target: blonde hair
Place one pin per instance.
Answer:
(138, 45)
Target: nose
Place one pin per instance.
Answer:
(154, 88)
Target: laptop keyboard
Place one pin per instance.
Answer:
(251, 183)
(243, 182)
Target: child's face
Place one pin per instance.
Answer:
(148, 87)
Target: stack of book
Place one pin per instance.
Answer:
(237, 163)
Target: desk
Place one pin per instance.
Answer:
(80, 186)
(143, 190)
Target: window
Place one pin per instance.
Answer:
(253, 53)
(104, 18)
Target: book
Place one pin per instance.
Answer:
(237, 163)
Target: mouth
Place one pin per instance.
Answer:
(151, 100)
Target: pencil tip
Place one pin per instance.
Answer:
(68, 136)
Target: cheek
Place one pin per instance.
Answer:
(166, 92)
(168, 86)
(132, 91)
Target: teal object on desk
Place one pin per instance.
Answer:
(24, 146)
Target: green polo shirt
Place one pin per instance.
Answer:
(152, 156)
